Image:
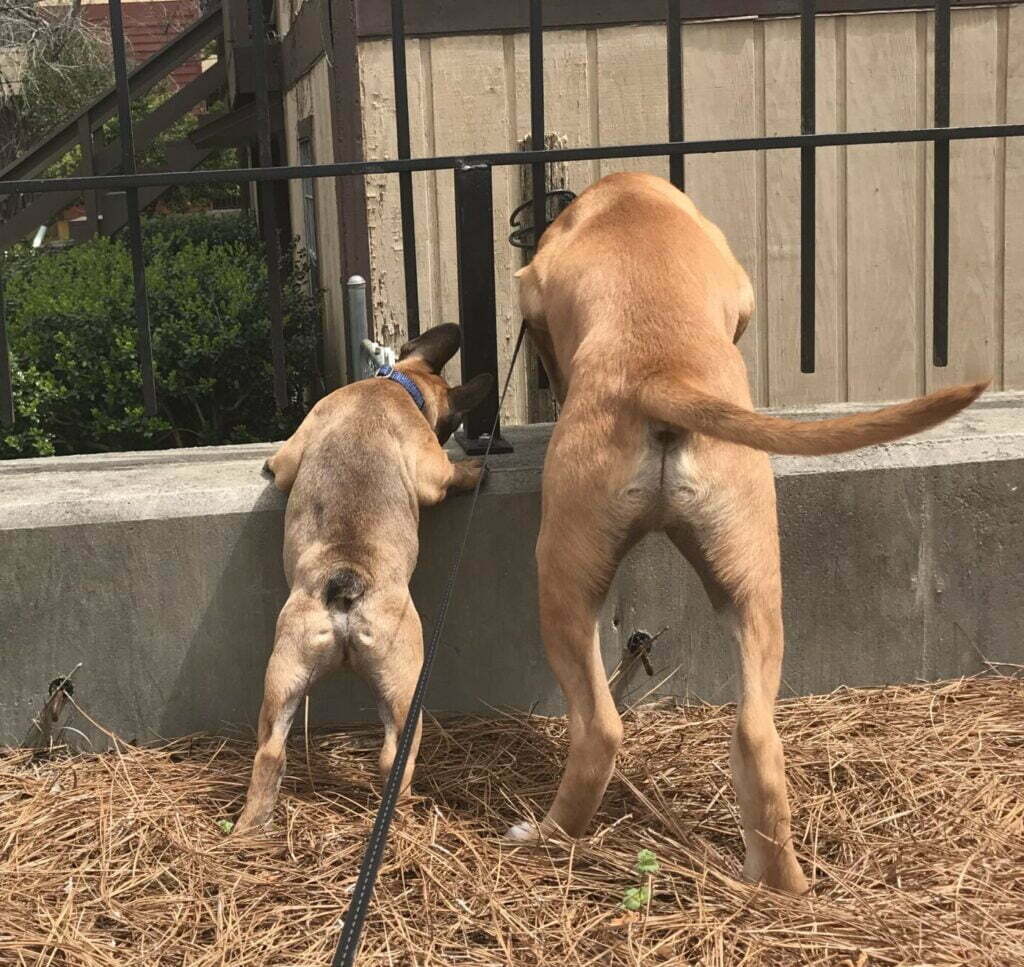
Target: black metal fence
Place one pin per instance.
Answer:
(473, 206)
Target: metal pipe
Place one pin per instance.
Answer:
(537, 171)
(358, 327)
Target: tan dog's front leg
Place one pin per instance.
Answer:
(303, 648)
(465, 474)
(437, 474)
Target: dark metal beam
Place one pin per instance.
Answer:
(478, 314)
(339, 169)
(435, 17)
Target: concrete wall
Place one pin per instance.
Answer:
(162, 573)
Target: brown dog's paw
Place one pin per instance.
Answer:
(526, 832)
(265, 470)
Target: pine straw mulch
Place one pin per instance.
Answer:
(908, 803)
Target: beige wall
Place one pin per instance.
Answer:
(310, 97)
(608, 86)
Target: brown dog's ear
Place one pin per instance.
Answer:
(435, 347)
(463, 398)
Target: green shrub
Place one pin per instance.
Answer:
(73, 340)
(173, 232)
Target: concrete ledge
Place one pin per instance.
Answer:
(161, 572)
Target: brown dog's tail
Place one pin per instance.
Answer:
(678, 405)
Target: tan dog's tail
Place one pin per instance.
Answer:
(680, 406)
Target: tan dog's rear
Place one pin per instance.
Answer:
(635, 303)
(358, 469)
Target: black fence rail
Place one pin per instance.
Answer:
(472, 178)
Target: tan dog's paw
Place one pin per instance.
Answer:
(525, 832)
(468, 473)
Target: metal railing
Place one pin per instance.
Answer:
(473, 202)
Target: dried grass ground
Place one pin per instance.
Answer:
(908, 802)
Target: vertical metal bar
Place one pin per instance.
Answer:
(6, 386)
(412, 289)
(267, 209)
(474, 242)
(89, 168)
(124, 116)
(940, 264)
(538, 184)
(807, 188)
(675, 91)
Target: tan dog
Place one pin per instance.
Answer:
(635, 303)
(358, 469)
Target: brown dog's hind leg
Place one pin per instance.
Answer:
(576, 558)
(737, 559)
(303, 650)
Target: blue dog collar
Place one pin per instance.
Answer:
(389, 372)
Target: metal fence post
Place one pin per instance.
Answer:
(124, 117)
(808, 204)
(940, 255)
(267, 211)
(412, 292)
(474, 241)
(6, 388)
(674, 44)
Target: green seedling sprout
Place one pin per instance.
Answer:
(638, 897)
(646, 863)
(225, 825)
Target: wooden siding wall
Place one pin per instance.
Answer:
(310, 97)
(741, 77)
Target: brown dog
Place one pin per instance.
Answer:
(357, 470)
(635, 302)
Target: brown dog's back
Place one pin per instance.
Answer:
(665, 300)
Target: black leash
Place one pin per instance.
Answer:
(348, 945)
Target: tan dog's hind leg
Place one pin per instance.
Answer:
(390, 664)
(304, 650)
(737, 558)
(576, 559)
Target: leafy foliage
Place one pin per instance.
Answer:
(73, 340)
(55, 64)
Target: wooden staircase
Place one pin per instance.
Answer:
(231, 76)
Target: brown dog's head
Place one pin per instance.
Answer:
(424, 357)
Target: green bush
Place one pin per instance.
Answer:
(72, 331)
